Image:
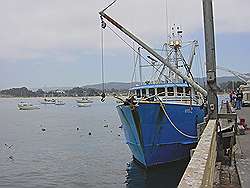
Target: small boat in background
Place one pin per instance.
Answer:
(83, 104)
(59, 102)
(48, 101)
(84, 100)
(26, 106)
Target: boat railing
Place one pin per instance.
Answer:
(153, 98)
(181, 97)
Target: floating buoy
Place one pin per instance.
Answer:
(119, 135)
(89, 133)
(43, 129)
(11, 157)
(105, 126)
(120, 126)
(8, 146)
(77, 128)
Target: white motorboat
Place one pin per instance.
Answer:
(83, 104)
(26, 106)
(84, 100)
(48, 101)
(59, 102)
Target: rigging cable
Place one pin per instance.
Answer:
(134, 72)
(136, 51)
(166, 12)
(103, 25)
(203, 68)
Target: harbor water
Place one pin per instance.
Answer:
(69, 146)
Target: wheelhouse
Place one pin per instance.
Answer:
(166, 92)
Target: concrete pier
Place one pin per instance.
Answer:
(242, 154)
(211, 163)
(200, 170)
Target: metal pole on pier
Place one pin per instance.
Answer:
(210, 59)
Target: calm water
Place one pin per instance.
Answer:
(61, 156)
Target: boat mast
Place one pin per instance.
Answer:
(152, 52)
(140, 71)
(210, 59)
(191, 58)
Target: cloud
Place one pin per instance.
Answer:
(28, 25)
(232, 16)
(47, 31)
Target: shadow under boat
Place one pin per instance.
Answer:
(166, 175)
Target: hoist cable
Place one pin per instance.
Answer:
(102, 61)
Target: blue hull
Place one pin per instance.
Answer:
(154, 138)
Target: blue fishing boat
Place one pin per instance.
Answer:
(160, 120)
(162, 126)
(161, 117)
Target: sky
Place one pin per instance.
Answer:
(56, 43)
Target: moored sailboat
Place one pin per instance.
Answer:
(26, 106)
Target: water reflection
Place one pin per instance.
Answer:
(168, 175)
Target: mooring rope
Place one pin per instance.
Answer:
(184, 134)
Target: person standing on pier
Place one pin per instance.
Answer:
(231, 96)
(239, 97)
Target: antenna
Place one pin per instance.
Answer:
(167, 18)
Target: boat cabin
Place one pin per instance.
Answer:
(166, 92)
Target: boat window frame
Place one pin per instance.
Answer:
(179, 93)
(142, 92)
(170, 93)
(138, 93)
(149, 91)
(188, 91)
(162, 93)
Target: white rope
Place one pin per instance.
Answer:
(184, 134)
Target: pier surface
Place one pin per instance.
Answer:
(243, 150)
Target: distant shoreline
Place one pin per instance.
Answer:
(64, 97)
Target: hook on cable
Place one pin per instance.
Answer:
(103, 97)
(103, 24)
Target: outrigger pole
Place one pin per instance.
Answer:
(151, 51)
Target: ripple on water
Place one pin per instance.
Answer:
(62, 156)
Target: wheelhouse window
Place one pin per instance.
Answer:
(170, 91)
(151, 91)
(188, 91)
(161, 91)
(179, 91)
(138, 93)
(143, 92)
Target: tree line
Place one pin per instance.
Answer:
(74, 92)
